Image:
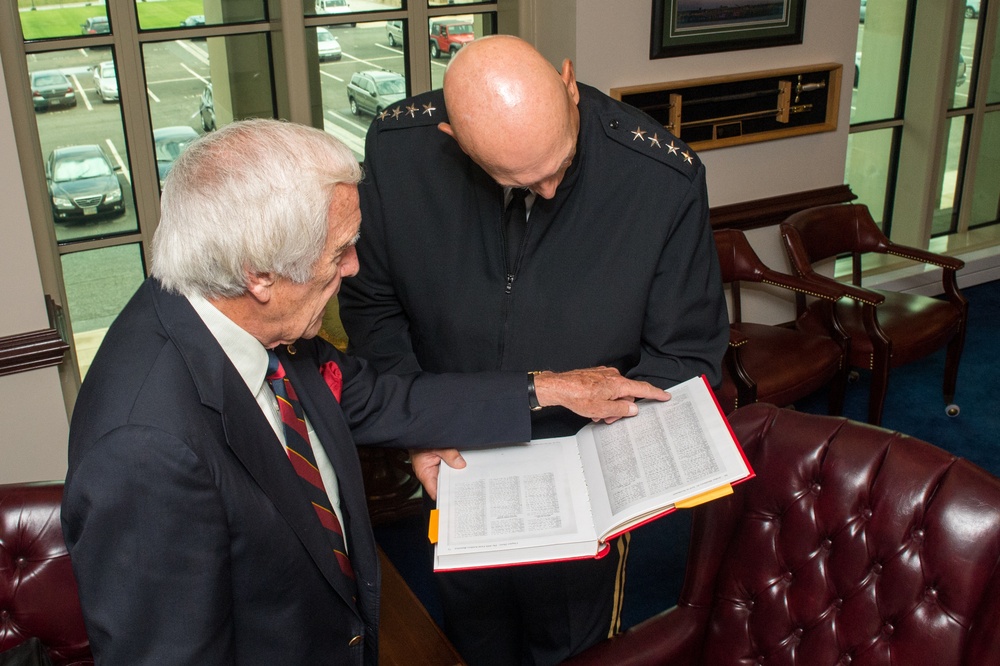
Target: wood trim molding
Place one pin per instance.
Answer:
(30, 351)
(773, 210)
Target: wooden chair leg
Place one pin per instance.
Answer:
(879, 386)
(951, 364)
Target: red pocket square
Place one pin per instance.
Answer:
(332, 377)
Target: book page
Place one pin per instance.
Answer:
(514, 497)
(668, 452)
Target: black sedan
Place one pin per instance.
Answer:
(83, 184)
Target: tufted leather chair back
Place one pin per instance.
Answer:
(853, 545)
(38, 594)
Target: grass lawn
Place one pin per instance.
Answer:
(66, 21)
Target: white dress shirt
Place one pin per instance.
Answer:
(250, 359)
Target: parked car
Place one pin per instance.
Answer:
(206, 109)
(83, 183)
(96, 25)
(50, 88)
(374, 90)
(327, 45)
(168, 144)
(864, 6)
(394, 31)
(106, 81)
(194, 21)
(449, 35)
(971, 9)
(334, 7)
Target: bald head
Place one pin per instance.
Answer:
(512, 112)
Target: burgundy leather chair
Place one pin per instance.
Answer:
(853, 545)
(38, 594)
(887, 328)
(770, 363)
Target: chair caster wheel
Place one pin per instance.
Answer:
(952, 410)
(853, 376)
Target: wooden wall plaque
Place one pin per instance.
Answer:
(743, 108)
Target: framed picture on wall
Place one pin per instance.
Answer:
(687, 27)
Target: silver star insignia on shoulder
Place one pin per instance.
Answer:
(429, 109)
(672, 148)
(383, 115)
(638, 133)
(396, 113)
(412, 110)
(654, 140)
(687, 157)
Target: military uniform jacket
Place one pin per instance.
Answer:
(189, 537)
(618, 269)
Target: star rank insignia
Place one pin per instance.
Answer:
(638, 133)
(687, 157)
(654, 140)
(396, 113)
(672, 148)
(383, 115)
(411, 110)
(429, 109)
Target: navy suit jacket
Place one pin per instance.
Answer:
(189, 537)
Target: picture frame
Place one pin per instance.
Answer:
(689, 27)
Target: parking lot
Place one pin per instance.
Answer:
(177, 73)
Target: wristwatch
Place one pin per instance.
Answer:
(532, 396)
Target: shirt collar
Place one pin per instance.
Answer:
(244, 351)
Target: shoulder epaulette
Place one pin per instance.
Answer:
(644, 135)
(417, 111)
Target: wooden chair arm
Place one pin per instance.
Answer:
(925, 256)
(831, 291)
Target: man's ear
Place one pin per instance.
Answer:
(569, 80)
(446, 128)
(260, 285)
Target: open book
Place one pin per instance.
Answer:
(567, 497)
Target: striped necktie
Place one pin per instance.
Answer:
(301, 456)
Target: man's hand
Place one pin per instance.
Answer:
(600, 393)
(426, 463)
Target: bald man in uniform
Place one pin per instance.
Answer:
(614, 265)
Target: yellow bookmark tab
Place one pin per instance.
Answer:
(432, 526)
(701, 498)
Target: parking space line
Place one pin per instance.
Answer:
(335, 78)
(79, 90)
(195, 74)
(353, 142)
(193, 50)
(349, 121)
(389, 48)
(368, 61)
(150, 93)
(118, 158)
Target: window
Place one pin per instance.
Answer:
(908, 59)
(108, 134)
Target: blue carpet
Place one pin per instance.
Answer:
(914, 405)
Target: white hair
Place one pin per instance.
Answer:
(250, 197)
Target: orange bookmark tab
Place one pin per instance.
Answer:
(706, 496)
(432, 526)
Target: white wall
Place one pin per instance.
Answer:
(32, 412)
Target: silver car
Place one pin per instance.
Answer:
(374, 91)
(106, 81)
